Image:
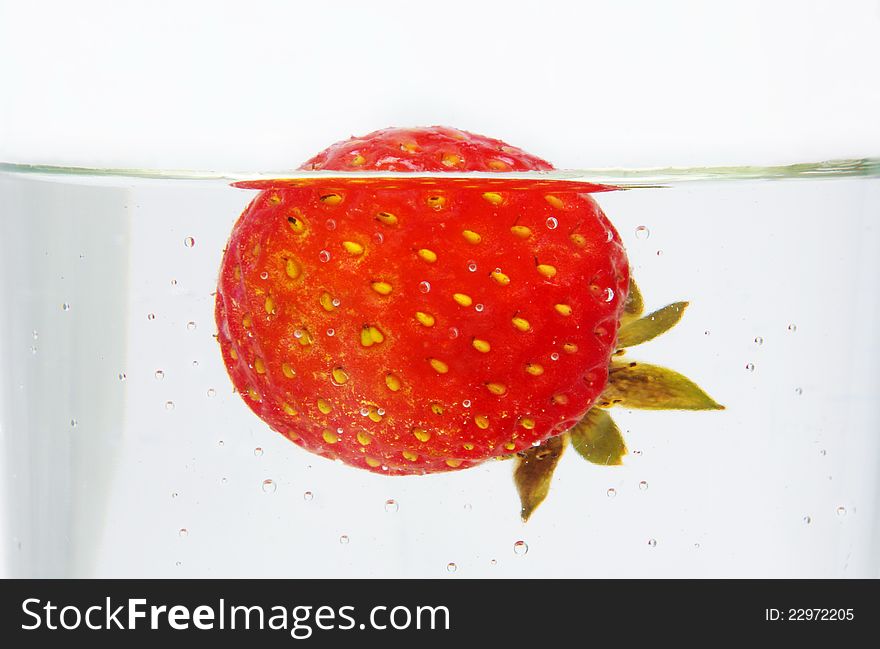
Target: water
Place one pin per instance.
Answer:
(126, 453)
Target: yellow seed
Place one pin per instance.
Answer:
(563, 309)
(510, 446)
(534, 369)
(340, 375)
(292, 268)
(370, 336)
(463, 299)
(497, 388)
(528, 424)
(353, 248)
(409, 455)
(471, 237)
(371, 461)
(437, 409)
(305, 339)
(331, 199)
(382, 288)
(468, 446)
(547, 270)
(498, 165)
(256, 250)
(554, 201)
(450, 159)
(324, 407)
(288, 409)
(269, 305)
(481, 345)
(253, 394)
(500, 277)
(364, 439)
(560, 399)
(358, 160)
(376, 335)
(493, 197)
(287, 370)
(236, 272)
(578, 239)
(482, 421)
(569, 348)
(421, 434)
(428, 255)
(233, 354)
(521, 323)
(259, 366)
(295, 221)
(326, 301)
(453, 463)
(291, 434)
(246, 322)
(387, 218)
(521, 231)
(329, 436)
(425, 318)
(439, 366)
(275, 199)
(409, 147)
(392, 382)
(374, 416)
(436, 202)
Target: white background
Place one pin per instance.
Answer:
(263, 84)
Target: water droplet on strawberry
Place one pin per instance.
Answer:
(479, 308)
(324, 256)
(552, 223)
(264, 275)
(335, 301)
(331, 332)
(472, 266)
(608, 294)
(380, 412)
(466, 403)
(554, 356)
(424, 287)
(378, 237)
(364, 412)
(642, 232)
(330, 224)
(520, 548)
(453, 333)
(297, 333)
(269, 486)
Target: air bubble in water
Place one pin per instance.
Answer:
(258, 451)
(173, 282)
(643, 485)
(212, 392)
(424, 287)
(750, 367)
(220, 443)
(269, 486)
(451, 567)
(65, 307)
(178, 563)
(472, 266)
(759, 340)
(159, 374)
(823, 452)
(611, 493)
(468, 507)
(493, 562)
(151, 316)
(552, 223)
(520, 548)
(169, 405)
(652, 543)
(36, 335)
(642, 232)
(174, 494)
(798, 391)
(391, 505)
(344, 539)
(189, 242)
(195, 363)
(659, 253)
(191, 325)
(122, 376)
(74, 423)
(808, 519)
(792, 327)
(224, 480)
(307, 496)
(841, 511)
(324, 256)
(183, 532)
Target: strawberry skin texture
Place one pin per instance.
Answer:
(417, 326)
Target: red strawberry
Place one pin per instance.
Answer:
(421, 325)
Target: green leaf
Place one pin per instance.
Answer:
(597, 438)
(652, 325)
(649, 387)
(533, 472)
(634, 305)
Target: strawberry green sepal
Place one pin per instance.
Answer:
(635, 385)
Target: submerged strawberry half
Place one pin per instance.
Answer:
(421, 325)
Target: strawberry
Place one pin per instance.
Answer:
(424, 324)
(420, 326)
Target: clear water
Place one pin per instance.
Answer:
(125, 452)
